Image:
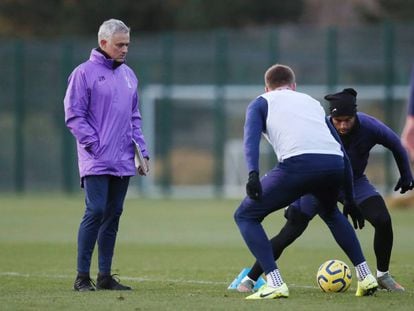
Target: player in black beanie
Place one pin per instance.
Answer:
(343, 112)
(342, 103)
(359, 133)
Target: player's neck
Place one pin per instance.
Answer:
(290, 86)
(286, 87)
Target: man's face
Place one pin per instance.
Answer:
(117, 46)
(343, 124)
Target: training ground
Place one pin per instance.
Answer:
(177, 255)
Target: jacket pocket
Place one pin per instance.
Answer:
(94, 150)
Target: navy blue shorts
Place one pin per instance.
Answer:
(363, 190)
(318, 174)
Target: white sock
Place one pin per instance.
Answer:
(247, 278)
(362, 270)
(380, 273)
(274, 279)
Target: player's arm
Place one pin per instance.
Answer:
(390, 140)
(407, 135)
(76, 104)
(254, 125)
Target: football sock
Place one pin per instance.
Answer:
(274, 279)
(362, 270)
(289, 233)
(380, 273)
(255, 272)
(247, 278)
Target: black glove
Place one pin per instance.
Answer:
(253, 186)
(404, 184)
(351, 209)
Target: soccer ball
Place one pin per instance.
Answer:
(334, 276)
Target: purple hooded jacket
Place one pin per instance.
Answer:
(101, 111)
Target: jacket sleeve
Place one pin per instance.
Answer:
(136, 126)
(76, 105)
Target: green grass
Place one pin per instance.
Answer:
(178, 255)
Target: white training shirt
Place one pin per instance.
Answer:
(296, 125)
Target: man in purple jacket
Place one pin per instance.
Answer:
(359, 133)
(101, 111)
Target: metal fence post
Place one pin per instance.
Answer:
(332, 58)
(166, 114)
(67, 145)
(389, 79)
(19, 117)
(273, 46)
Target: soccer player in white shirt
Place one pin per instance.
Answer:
(311, 160)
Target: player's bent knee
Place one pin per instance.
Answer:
(295, 215)
(246, 214)
(238, 215)
(382, 222)
(376, 212)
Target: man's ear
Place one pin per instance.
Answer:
(102, 44)
(293, 86)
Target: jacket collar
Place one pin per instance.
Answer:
(100, 57)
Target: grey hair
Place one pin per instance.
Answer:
(110, 27)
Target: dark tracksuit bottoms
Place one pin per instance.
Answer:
(104, 199)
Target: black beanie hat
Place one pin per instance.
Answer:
(342, 103)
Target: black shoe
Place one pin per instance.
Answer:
(83, 284)
(110, 283)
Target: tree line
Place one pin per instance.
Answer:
(80, 17)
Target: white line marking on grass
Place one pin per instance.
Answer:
(144, 279)
(135, 279)
(129, 278)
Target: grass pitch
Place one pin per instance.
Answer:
(177, 255)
